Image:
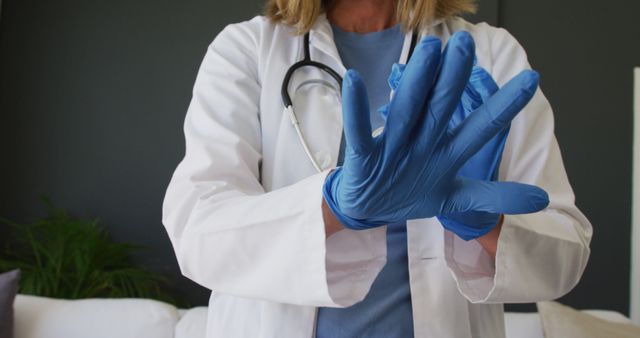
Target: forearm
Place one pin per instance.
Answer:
(490, 240)
(331, 223)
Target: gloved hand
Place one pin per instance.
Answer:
(483, 165)
(409, 171)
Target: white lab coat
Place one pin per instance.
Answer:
(243, 209)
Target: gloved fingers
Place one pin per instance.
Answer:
(499, 149)
(481, 84)
(395, 76)
(355, 114)
(509, 198)
(410, 98)
(484, 164)
(492, 117)
(468, 230)
(457, 63)
(480, 88)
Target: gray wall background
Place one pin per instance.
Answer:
(93, 95)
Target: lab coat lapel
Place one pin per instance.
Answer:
(323, 49)
(323, 123)
(321, 38)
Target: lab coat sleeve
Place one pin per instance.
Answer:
(540, 256)
(231, 236)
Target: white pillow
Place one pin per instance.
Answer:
(609, 315)
(39, 317)
(522, 325)
(193, 323)
(529, 325)
(560, 321)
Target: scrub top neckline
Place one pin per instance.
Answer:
(369, 39)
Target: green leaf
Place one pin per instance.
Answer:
(65, 257)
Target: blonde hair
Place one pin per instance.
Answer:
(412, 14)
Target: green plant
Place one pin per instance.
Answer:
(65, 257)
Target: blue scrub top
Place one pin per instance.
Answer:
(386, 310)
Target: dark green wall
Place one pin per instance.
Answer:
(585, 52)
(92, 99)
(93, 95)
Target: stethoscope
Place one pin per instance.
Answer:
(307, 62)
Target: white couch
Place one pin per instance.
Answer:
(38, 317)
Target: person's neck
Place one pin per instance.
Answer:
(362, 16)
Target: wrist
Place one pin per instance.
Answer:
(489, 241)
(331, 223)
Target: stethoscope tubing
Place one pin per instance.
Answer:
(288, 103)
(305, 62)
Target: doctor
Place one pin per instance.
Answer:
(439, 203)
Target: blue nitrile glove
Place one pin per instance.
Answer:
(409, 171)
(483, 165)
